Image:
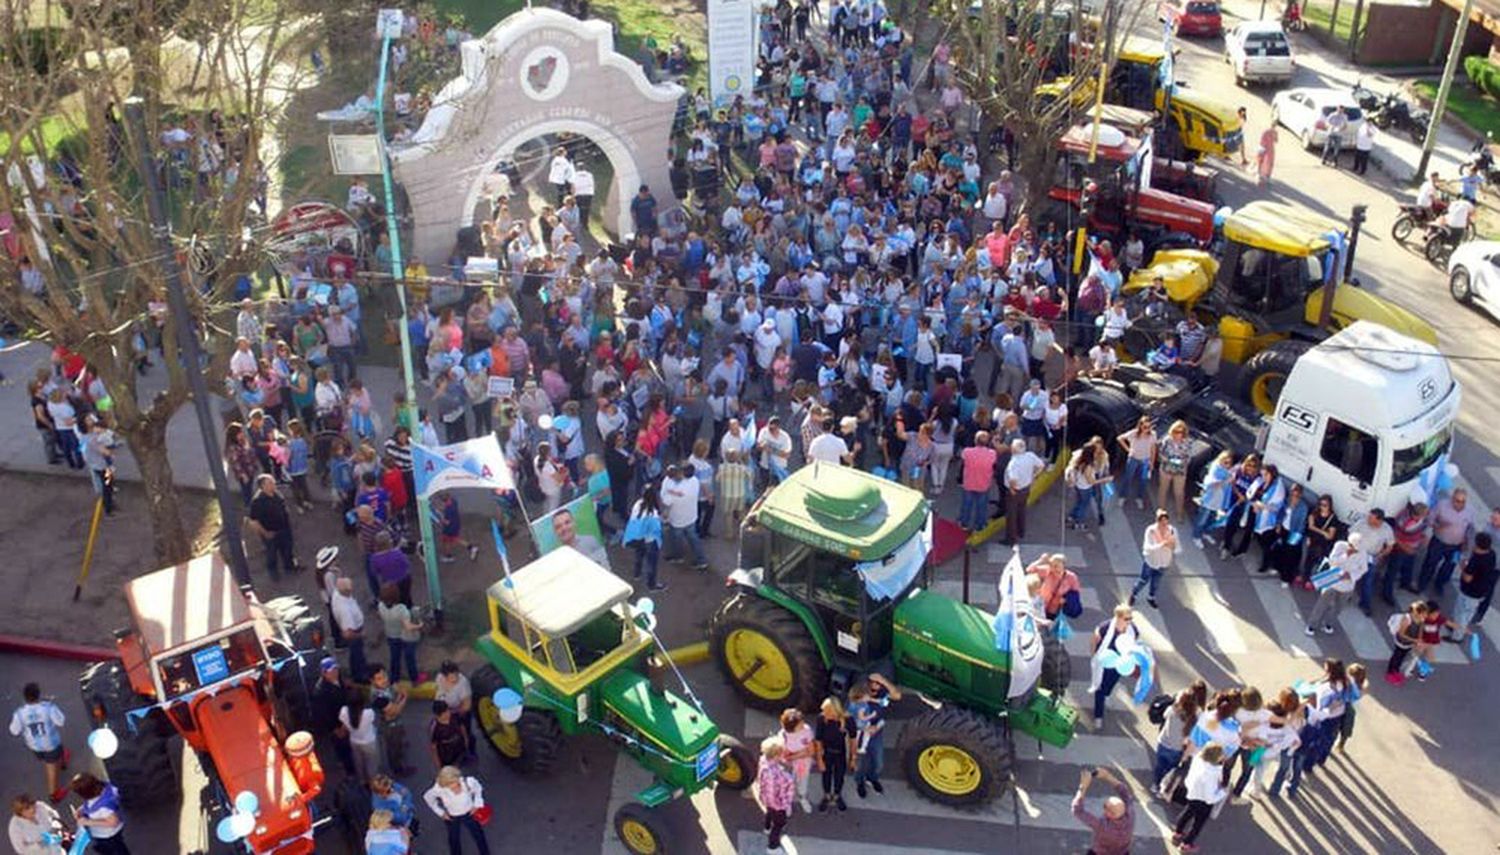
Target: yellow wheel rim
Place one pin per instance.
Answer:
(729, 770)
(502, 735)
(949, 770)
(758, 664)
(637, 837)
(1265, 390)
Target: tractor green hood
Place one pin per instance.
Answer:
(1352, 303)
(952, 628)
(663, 720)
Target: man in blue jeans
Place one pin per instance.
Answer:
(1452, 532)
(679, 498)
(1376, 542)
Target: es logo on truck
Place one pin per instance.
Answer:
(1297, 417)
(1427, 389)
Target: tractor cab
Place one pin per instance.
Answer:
(835, 544)
(1200, 124)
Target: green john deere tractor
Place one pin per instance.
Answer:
(830, 587)
(573, 651)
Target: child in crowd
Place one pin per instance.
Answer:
(450, 529)
(1359, 677)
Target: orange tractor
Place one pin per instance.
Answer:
(232, 676)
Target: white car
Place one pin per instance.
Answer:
(1305, 112)
(1474, 274)
(1259, 51)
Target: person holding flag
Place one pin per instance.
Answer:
(1016, 628)
(1346, 566)
(1115, 638)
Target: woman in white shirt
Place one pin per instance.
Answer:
(359, 720)
(457, 799)
(1205, 788)
(34, 827)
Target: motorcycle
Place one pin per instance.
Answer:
(1440, 242)
(1367, 99)
(1414, 216)
(1483, 160)
(1394, 112)
(1292, 19)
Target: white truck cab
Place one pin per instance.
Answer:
(1362, 416)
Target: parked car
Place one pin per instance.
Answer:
(1304, 111)
(1259, 51)
(1201, 18)
(1474, 274)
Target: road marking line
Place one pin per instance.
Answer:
(1124, 557)
(1220, 624)
(1055, 811)
(999, 553)
(754, 843)
(629, 779)
(1287, 619)
(1367, 639)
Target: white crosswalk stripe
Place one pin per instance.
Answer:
(1368, 640)
(999, 553)
(754, 843)
(629, 779)
(1124, 553)
(1287, 619)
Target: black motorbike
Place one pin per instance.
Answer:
(1484, 161)
(1367, 99)
(1393, 112)
(1440, 242)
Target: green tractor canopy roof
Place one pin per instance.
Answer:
(844, 510)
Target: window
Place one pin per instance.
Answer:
(210, 663)
(1408, 463)
(1353, 451)
(1269, 282)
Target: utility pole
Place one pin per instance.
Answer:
(1441, 103)
(398, 274)
(187, 339)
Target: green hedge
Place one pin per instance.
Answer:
(1484, 74)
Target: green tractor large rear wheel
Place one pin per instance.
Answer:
(955, 756)
(1265, 373)
(532, 744)
(768, 654)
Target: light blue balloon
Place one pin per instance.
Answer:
(506, 698)
(1126, 666)
(225, 830)
(1108, 659)
(645, 606)
(247, 802)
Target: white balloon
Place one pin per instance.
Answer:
(104, 743)
(544, 422)
(645, 606)
(241, 823)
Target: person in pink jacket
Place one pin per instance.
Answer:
(778, 788)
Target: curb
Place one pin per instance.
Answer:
(55, 649)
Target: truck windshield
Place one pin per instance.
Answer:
(1409, 462)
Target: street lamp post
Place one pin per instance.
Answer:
(398, 273)
(187, 339)
(1440, 104)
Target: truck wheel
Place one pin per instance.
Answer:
(641, 829)
(141, 768)
(1057, 666)
(295, 680)
(1401, 229)
(955, 756)
(1101, 411)
(768, 654)
(1266, 372)
(737, 764)
(530, 745)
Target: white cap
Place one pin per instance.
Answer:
(326, 556)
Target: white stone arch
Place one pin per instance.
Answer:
(535, 73)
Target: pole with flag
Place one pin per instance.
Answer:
(1016, 630)
(501, 551)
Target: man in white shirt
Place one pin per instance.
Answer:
(583, 193)
(1377, 539)
(1428, 192)
(1104, 360)
(1456, 218)
(775, 447)
(1020, 472)
(679, 498)
(560, 174)
(767, 339)
(242, 363)
(1353, 564)
(38, 722)
(1364, 143)
(350, 619)
(827, 447)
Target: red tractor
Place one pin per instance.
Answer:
(232, 676)
(1165, 202)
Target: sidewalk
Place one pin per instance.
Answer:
(1395, 154)
(21, 448)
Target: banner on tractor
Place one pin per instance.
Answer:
(574, 524)
(1016, 630)
(476, 463)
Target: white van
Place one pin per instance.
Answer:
(1259, 51)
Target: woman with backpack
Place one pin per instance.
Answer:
(1176, 717)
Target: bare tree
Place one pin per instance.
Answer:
(1032, 66)
(77, 204)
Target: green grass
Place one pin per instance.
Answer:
(55, 130)
(1319, 16)
(1472, 107)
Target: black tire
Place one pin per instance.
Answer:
(634, 818)
(1057, 666)
(1100, 411)
(1459, 286)
(540, 736)
(1402, 228)
(141, 768)
(1437, 250)
(1265, 372)
(734, 755)
(1141, 338)
(973, 734)
(793, 640)
(303, 630)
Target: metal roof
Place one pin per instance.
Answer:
(185, 603)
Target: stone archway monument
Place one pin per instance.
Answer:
(538, 72)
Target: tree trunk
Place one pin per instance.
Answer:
(1036, 161)
(148, 443)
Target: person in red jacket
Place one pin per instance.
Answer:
(394, 483)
